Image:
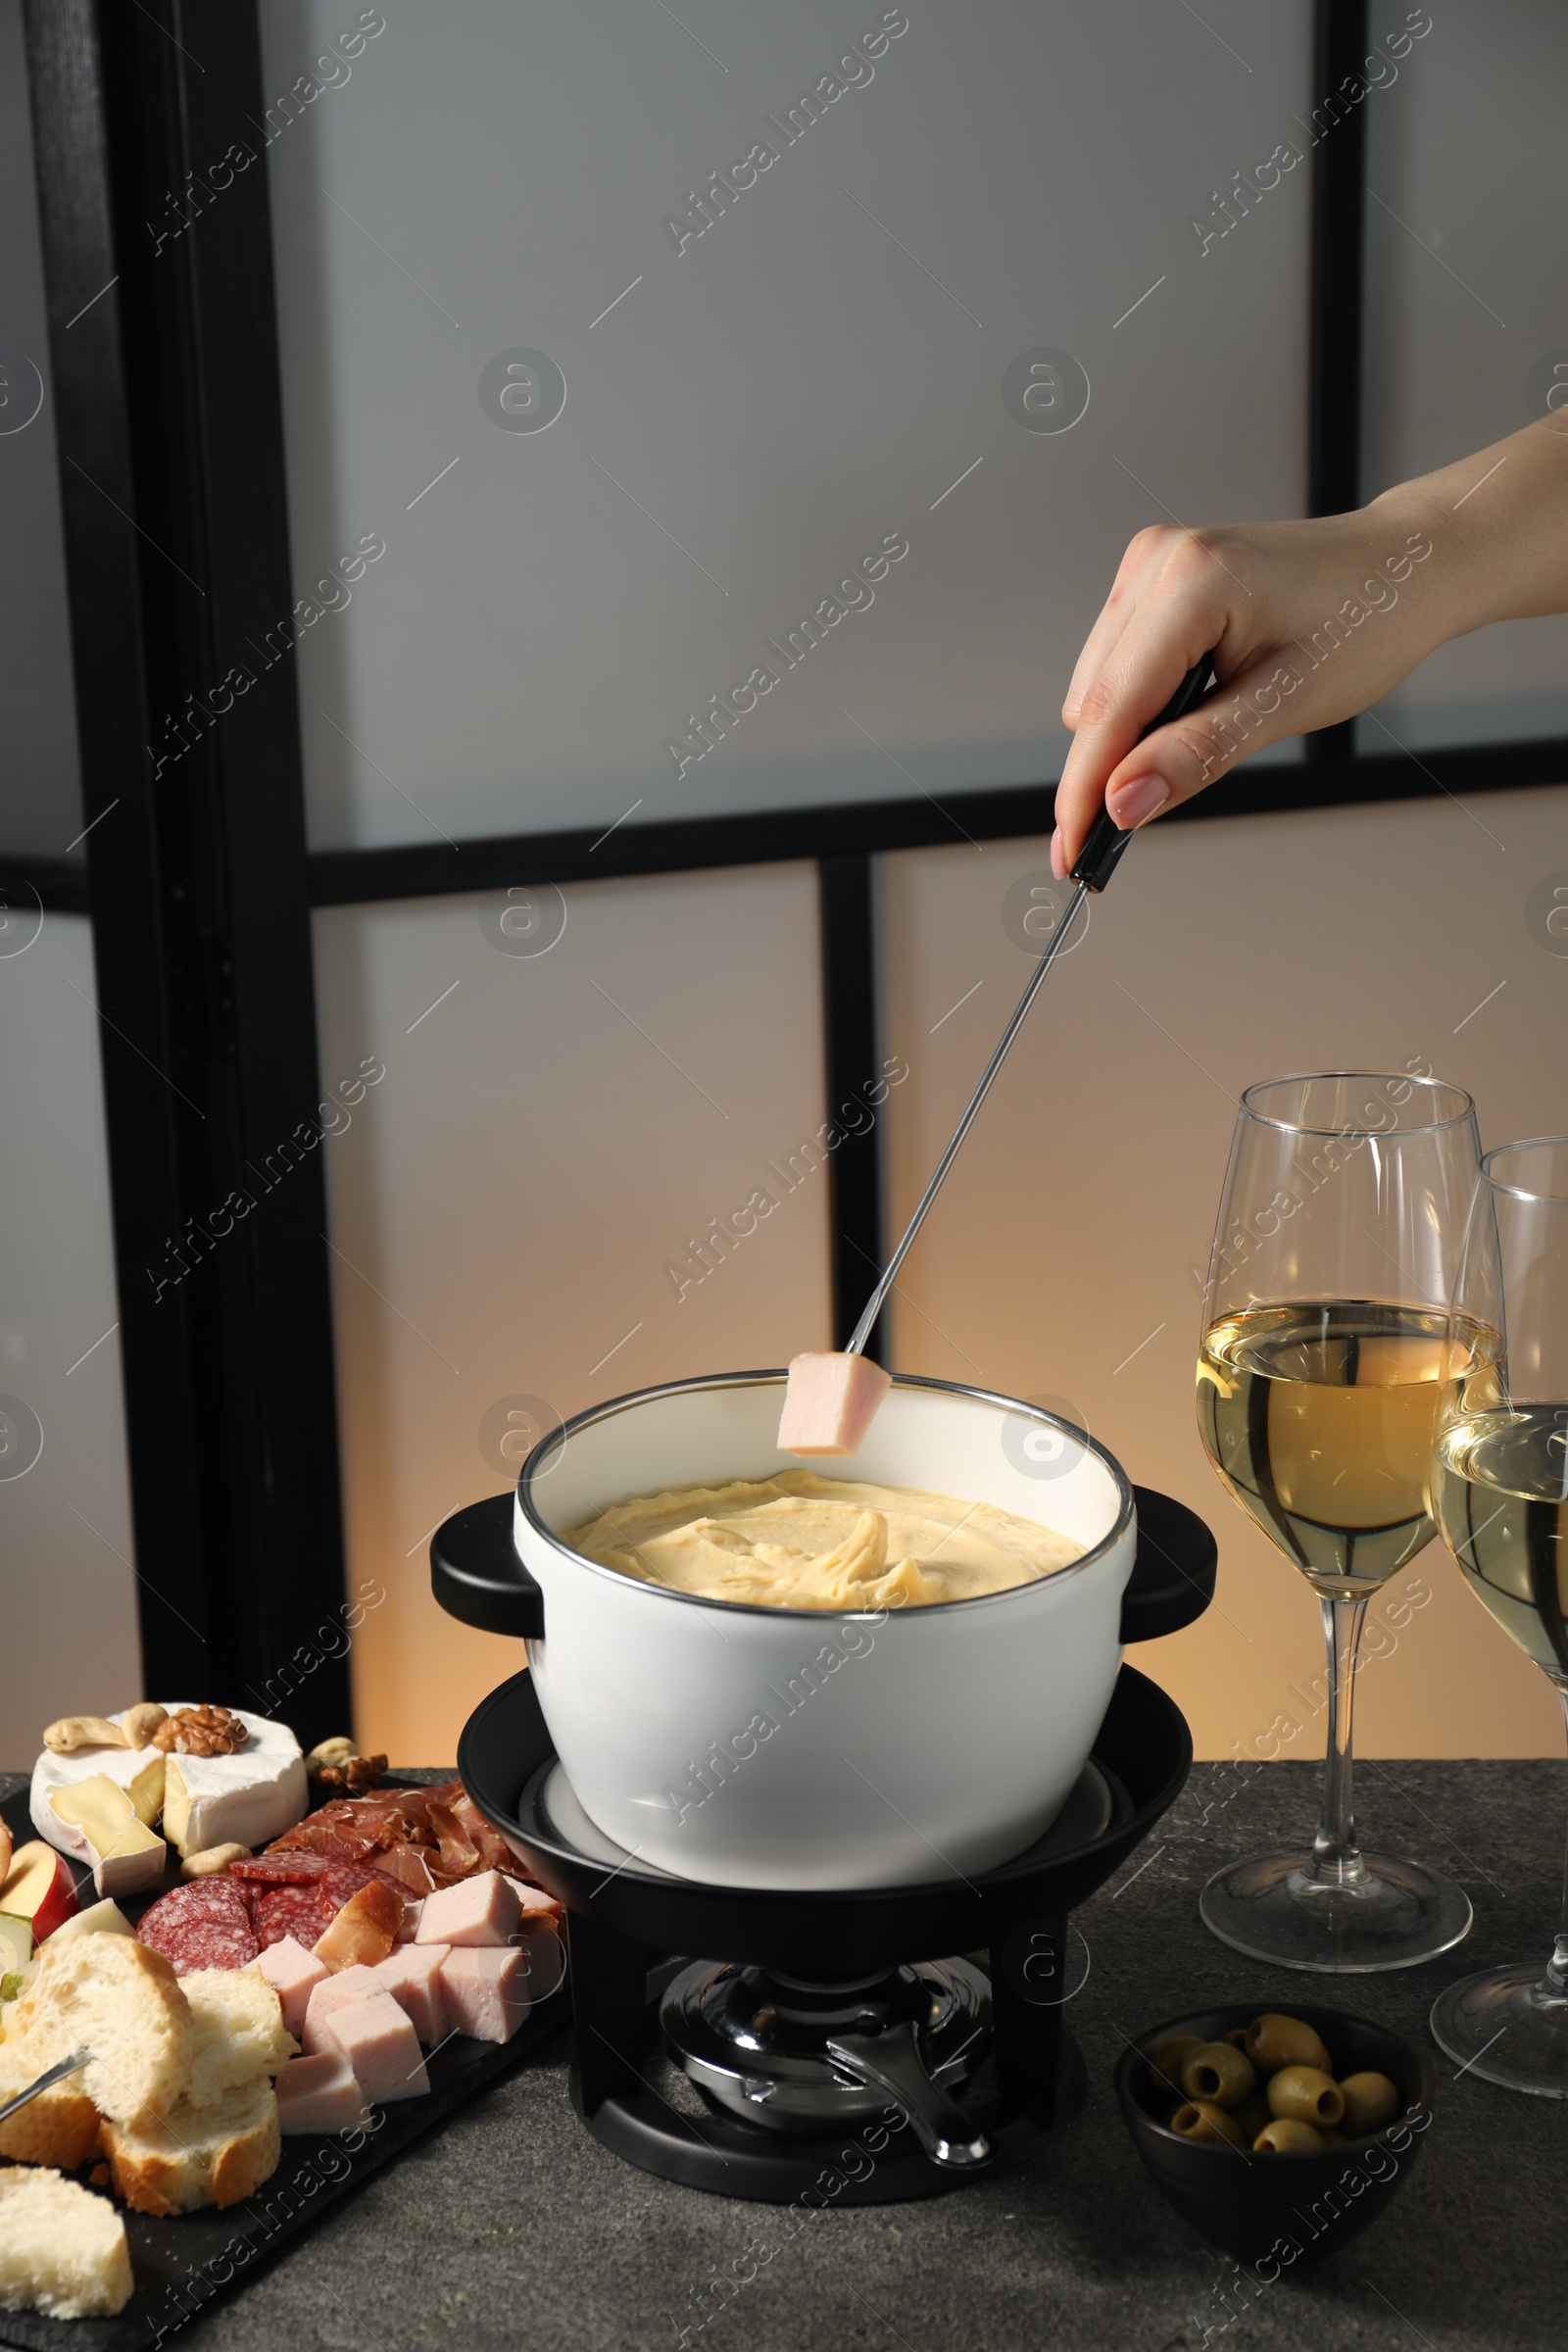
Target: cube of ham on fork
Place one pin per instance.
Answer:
(830, 1401)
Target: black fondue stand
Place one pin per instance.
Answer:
(623, 1922)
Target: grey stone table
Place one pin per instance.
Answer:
(511, 2227)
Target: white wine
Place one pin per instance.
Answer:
(1319, 1416)
(1500, 1494)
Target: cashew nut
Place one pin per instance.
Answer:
(212, 1859)
(72, 1732)
(338, 1750)
(139, 1723)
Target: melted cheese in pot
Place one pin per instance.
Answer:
(800, 1542)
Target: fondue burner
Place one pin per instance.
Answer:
(854, 2048)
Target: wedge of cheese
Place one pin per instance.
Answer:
(95, 1820)
(247, 1798)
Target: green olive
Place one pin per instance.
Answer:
(1305, 2094)
(1237, 2038)
(1273, 2041)
(1252, 2114)
(1287, 2136)
(1370, 2102)
(1201, 2120)
(1165, 2063)
(1218, 2072)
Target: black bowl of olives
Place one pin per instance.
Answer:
(1278, 2136)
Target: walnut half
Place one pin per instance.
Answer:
(353, 1775)
(201, 1732)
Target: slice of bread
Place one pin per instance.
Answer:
(212, 2155)
(120, 2000)
(63, 2251)
(237, 2032)
(60, 2127)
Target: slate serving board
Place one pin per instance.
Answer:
(184, 2263)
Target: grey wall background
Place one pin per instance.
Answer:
(817, 369)
(1467, 297)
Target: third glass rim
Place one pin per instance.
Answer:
(1524, 1192)
(1464, 1102)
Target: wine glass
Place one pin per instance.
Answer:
(1499, 1494)
(1324, 1334)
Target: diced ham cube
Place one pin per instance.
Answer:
(293, 1972)
(486, 1991)
(335, 1993)
(830, 1401)
(412, 1974)
(321, 2093)
(544, 1960)
(481, 1910)
(380, 2042)
(363, 1931)
(538, 1899)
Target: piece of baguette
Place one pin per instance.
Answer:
(63, 2251)
(60, 2127)
(120, 2000)
(237, 2033)
(213, 2155)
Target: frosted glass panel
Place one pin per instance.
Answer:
(1066, 1255)
(40, 794)
(69, 1640)
(523, 1205)
(620, 438)
(1467, 222)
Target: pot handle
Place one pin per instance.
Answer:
(1172, 1582)
(476, 1576)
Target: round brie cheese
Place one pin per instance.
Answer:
(248, 1798)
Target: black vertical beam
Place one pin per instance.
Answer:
(853, 1062)
(149, 1122)
(215, 916)
(1338, 268)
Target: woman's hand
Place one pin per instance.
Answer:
(1308, 623)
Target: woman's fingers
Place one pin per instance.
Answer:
(1172, 627)
(1260, 705)
(1140, 564)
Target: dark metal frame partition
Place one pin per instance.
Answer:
(168, 409)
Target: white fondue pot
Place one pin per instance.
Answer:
(746, 1746)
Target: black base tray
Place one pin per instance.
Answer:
(733, 2158)
(184, 2262)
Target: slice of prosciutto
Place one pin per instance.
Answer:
(830, 1401)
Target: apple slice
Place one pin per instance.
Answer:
(16, 1944)
(40, 1889)
(5, 1851)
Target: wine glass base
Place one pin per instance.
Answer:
(1505, 2026)
(1395, 1916)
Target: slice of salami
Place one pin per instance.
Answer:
(204, 1924)
(281, 1870)
(296, 1911)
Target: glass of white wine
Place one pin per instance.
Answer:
(1499, 1494)
(1324, 1332)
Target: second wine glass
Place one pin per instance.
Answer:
(1322, 1344)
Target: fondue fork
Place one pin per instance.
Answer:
(830, 1410)
(54, 2074)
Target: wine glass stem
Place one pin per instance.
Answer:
(1335, 1853)
(1557, 1966)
